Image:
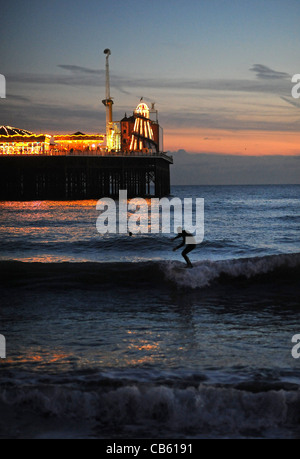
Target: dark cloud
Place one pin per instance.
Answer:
(19, 109)
(232, 120)
(79, 76)
(206, 115)
(218, 169)
(17, 98)
(78, 69)
(34, 79)
(98, 79)
(266, 73)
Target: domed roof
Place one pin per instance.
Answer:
(10, 131)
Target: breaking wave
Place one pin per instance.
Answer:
(114, 408)
(205, 273)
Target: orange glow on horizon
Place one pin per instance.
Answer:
(245, 143)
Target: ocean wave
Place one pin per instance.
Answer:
(137, 410)
(70, 244)
(206, 273)
(290, 218)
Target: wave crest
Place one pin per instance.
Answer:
(155, 274)
(139, 409)
(207, 272)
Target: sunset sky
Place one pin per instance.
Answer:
(219, 70)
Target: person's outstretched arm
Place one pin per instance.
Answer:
(176, 237)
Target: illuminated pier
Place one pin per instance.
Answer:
(81, 166)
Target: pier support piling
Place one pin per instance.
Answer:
(83, 177)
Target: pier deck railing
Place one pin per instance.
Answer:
(116, 154)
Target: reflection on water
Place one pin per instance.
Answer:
(119, 323)
(39, 358)
(239, 221)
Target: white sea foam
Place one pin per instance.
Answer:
(205, 272)
(196, 411)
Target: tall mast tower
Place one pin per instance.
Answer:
(108, 102)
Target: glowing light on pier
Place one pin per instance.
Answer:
(15, 141)
(142, 138)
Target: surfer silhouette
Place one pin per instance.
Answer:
(190, 245)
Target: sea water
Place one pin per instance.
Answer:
(107, 337)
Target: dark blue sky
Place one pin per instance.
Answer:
(204, 38)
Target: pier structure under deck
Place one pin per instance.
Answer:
(81, 176)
